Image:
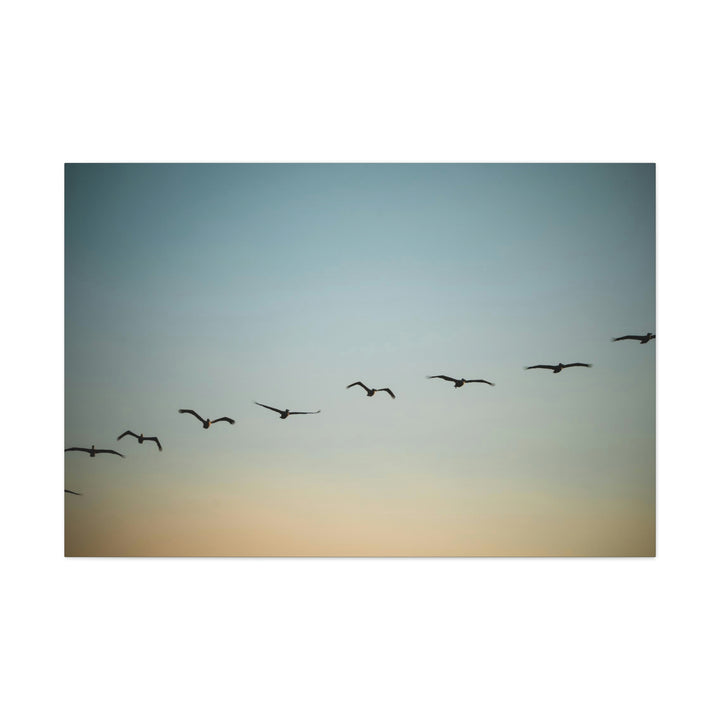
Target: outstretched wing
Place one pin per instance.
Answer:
(269, 408)
(112, 452)
(315, 412)
(127, 432)
(629, 337)
(192, 412)
(87, 450)
(72, 493)
(548, 367)
(154, 439)
(578, 365)
(223, 419)
(487, 382)
(388, 391)
(362, 385)
(442, 377)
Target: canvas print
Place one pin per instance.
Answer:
(360, 360)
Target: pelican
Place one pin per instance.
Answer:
(93, 452)
(72, 493)
(371, 391)
(141, 438)
(284, 413)
(458, 383)
(557, 368)
(206, 423)
(642, 338)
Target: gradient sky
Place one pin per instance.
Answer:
(213, 286)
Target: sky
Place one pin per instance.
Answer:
(214, 286)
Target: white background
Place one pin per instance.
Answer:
(390, 81)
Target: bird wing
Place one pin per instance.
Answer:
(362, 385)
(127, 432)
(224, 419)
(578, 365)
(87, 450)
(487, 382)
(628, 337)
(442, 377)
(269, 408)
(549, 367)
(113, 452)
(388, 391)
(314, 412)
(72, 493)
(155, 440)
(192, 412)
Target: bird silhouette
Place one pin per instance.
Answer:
(642, 338)
(141, 438)
(207, 422)
(371, 391)
(557, 368)
(284, 413)
(72, 493)
(93, 452)
(461, 382)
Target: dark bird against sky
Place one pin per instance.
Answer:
(461, 382)
(207, 422)
(93, 452)
(642, 338)
(560, 366)
(284, 413)
(371, 391)
(141, 438)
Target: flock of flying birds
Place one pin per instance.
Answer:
(284, 414)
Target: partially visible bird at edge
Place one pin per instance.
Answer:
(93, 452)
(642, 338)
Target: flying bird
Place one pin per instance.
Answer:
(371, 391)
(557, 368)
(459, 383)
(642, 338)
(72, 493)
(207, 422)
(93, 452)
(141, 438)
(285, 413)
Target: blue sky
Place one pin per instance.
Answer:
(213, 286)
